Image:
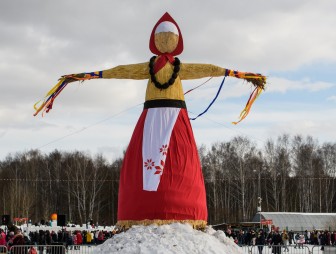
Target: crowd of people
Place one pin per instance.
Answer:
(277, 239)
(274, 239)
(69, 239)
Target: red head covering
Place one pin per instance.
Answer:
(179, 47)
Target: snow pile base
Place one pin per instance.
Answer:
(167, 239)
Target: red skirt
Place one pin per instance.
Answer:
(181, 192)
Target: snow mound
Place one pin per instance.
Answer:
(168, 239)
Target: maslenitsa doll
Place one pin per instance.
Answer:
(161, 179)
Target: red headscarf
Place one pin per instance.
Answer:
(164, 57)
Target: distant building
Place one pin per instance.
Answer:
(298, 221)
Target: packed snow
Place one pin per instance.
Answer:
(168, 239)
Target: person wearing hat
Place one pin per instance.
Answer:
(161, 178)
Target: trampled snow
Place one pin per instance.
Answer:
(168, 239)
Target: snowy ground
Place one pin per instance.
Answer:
(180, 238)
(169, 239)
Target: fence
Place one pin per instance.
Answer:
(290, 249)
(87, 249)
(47, 249)
(326, 250)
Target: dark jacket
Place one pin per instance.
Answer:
(276, 239)
(260, 240)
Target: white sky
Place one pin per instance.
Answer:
(292, 42)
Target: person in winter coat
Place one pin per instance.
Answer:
(296, 239)
(18, 241)
(3, 241)
(74, 239)
(41, 241)
(88, 237)
(253, 237)
(10, 239)
(301, 241)
(69, 241)
(48, 238)
(291, 237)
(54, 237)
(323, 240)
(285, 239)
(276, 243)
(79, 239)
(101, 237)
(260, 241)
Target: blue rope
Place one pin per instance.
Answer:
(220, 88)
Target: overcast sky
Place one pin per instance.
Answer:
(292, 42)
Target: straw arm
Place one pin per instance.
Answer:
(196, 71)
(130, 71)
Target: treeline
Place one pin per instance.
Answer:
(290, 174)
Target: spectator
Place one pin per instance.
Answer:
(301, 241)
(41, 241)
(328, 235)
(276, 243)
(323, 240)
(296, 240)
(10, 239)
(3, 241)
(291, 237)
(79, 239)
(240, 237)
(253, 237)
(285, 239)
(260, 241)
(48, 238)
(60, 236)
(54, 238)
(307, 238)
(18, 243)
(88, 237)
(101, 237)
(74, 239)
(96, 234)
(269, 237)
(69, 241)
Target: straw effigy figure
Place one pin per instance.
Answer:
(161, 179)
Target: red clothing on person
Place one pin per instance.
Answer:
(3, 239)
(79, 238)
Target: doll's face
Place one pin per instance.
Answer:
(166, 42)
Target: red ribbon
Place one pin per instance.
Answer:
(162, 60)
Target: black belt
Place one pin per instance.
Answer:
(165, 103)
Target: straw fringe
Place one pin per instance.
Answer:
(126, 224)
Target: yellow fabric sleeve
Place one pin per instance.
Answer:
(130, 71)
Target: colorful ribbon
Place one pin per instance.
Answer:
(254, 95)
(214, 99)
(48, 100)
(257, 80)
